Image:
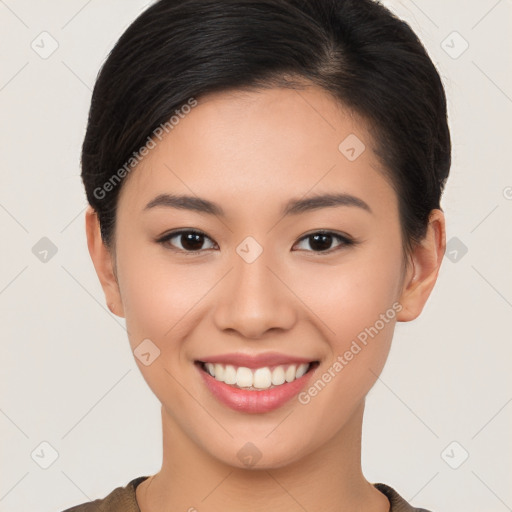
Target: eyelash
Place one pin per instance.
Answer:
(345, 241)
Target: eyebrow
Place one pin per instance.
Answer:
(292, 207)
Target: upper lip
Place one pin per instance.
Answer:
(256, 360)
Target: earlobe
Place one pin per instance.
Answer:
(102, 261)
(426, 260)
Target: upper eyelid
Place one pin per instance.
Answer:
(172, 234)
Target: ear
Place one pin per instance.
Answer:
(102, 259)
(423, 268)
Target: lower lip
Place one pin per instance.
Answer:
(254, 401)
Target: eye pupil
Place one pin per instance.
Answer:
(192, 241)
(321, 241)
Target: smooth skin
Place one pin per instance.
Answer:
(251, 152)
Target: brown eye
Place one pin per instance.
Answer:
(321, 241)
(187, 241)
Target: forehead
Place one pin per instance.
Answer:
(256, 146)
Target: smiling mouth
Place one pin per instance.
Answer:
(256, 379)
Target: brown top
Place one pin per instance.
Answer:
(122, 499)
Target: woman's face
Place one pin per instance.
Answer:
(257, 281)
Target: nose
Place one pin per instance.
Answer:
(254, 299)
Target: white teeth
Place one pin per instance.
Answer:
(290, 373)
(301, 370)
(260, 378)
(278, 376)
(219, 371)
(229, 375)
(244, 377)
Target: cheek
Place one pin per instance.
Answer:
(158, 301)
(359, 307)
(357, 303)
(156, 295)
(350, 297)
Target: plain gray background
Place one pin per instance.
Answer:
(438, 421)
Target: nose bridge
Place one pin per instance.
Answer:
(252, 262)
(253, 299)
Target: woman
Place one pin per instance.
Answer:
(264, 180)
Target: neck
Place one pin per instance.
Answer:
(329, 479)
